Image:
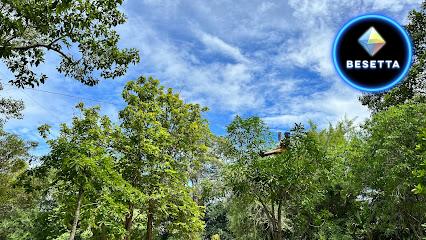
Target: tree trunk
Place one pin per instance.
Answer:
(129, 222)
(102, 235)
(149, 224)
(76, 215)
(270, 216)
(279, 226)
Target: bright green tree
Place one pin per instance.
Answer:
(327, 211)
(245, 140)
(80, 32)
(161, 140)
(87, 190)
(225, 216)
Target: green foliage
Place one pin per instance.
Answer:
(383, 164)
(81, 33)
(328, 209)
(247, 138)
(161, 141)
(266, 189)
(217, 222)
(420, 173)
(85, 189)
(152, 177)
(15, 204)
(215, 237)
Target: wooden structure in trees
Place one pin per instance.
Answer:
(283, 145)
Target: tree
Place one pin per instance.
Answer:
(383, 162)
(81, 33)
(247, 138)
(327, 211)
(81, 174)
(210, 190)
(413, 87)
(15, 204)
(277, 184)
(161, 141)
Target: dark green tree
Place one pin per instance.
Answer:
(81, 33)
(211, 190)
(420, 173)
(383, 162)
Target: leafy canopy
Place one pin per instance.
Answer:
(80, 32)
(162, 139)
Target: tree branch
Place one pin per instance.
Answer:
(47, 46)
(268, 213)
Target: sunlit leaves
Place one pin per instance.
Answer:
(161, 141)
(81, 165)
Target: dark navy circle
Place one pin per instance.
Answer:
(398, 46)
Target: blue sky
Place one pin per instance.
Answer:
(266, 58)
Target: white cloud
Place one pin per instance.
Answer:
(214, 43)
(280, 65)
(312, 51)
(223, 86)
(323, 107)
(317, 23)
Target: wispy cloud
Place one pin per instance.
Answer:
(215, 44)
(265, 58)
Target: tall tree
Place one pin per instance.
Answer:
(210, 191)
(326, 212)
(413, 87)
(81, 33)
(162, 137)
(247, 138)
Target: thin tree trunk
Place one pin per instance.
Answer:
(76, 215)
(279, 227)
(129, 222)
(270, 216)
(102, 235)
(149, 224)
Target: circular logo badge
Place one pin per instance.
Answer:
(372, 53)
